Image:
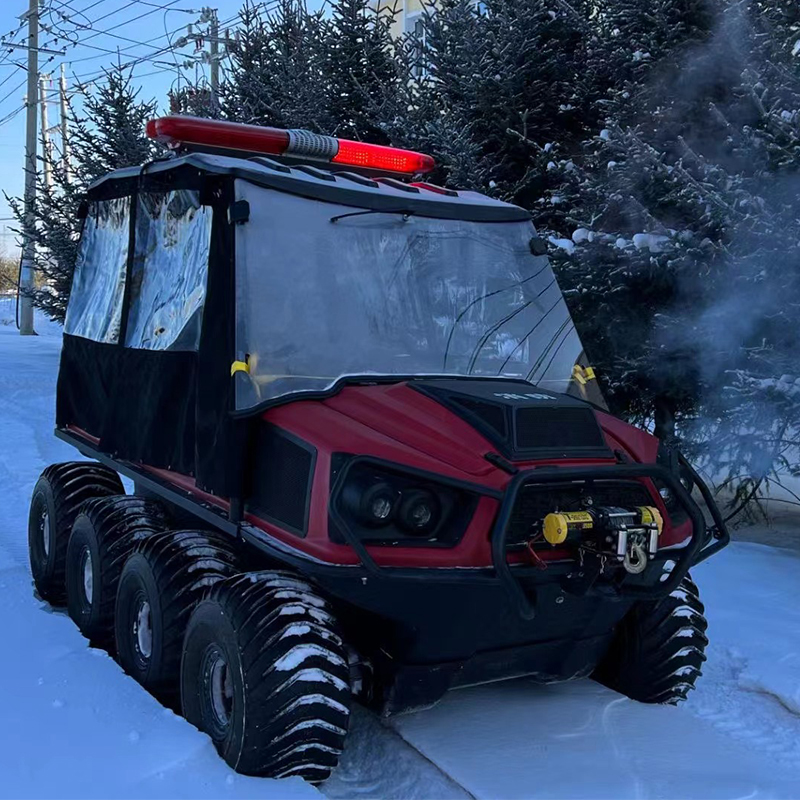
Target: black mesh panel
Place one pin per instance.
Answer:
(282, 479)
(557, 428)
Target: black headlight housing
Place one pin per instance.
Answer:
(392, 506)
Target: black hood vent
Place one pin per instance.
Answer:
(522, 421)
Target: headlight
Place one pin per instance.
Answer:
(373, 503)
(385, 506)
(419, 511)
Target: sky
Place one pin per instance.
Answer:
(94, 29)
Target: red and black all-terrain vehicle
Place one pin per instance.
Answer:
(369, 457)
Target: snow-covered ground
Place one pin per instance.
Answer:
(73, 725)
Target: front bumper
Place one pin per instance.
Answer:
(703, 542)
(655, 582)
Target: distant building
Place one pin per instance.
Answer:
(408, 15)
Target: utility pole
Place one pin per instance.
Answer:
(47, 147)
(26, 267)
(213, 56)
(65, 163)
(214, 53)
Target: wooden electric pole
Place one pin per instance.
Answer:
(26, 268)
(47, 147)
(65, 162)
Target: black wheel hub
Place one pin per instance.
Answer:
(141, 622)
(217, 695)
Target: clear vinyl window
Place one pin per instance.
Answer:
(98, 284)
(170, 271)
(323, 292)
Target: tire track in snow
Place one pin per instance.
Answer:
(378, 762)
(753, 715)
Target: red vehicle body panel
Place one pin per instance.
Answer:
(398, 424)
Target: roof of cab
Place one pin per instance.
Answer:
(345, 188)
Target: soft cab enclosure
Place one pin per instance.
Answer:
(209, 289)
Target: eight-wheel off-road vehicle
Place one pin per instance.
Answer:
(370, 459)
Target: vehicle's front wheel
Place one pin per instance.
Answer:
(265, 674)
(57, 497)
(659, 648)
(103, 535)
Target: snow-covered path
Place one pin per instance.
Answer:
(73, 725)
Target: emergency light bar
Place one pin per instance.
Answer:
(175, 132)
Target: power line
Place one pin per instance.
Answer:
(14, 113)
(117, 36)
(123, 50)
(115, 11)
(15, 89)
(133, 19)
(11, 74)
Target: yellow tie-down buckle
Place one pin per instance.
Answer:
(583, 374)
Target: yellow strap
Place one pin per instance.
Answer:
(239, 366)
(589, 373)
(578, 374)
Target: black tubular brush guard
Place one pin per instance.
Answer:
(703, 543)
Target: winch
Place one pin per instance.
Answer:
(629, 536)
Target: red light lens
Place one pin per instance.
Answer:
(375, 156)
(174, 131)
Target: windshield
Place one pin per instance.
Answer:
(389, 294)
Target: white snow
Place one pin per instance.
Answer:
(300, 653)
(73, 725)
(737, 736)
(655, 243)
(605, 134)
(563, 244)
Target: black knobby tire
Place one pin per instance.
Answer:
(658, 651)
(104, 534)
(265, 674)
(161, 583)
(57, 497)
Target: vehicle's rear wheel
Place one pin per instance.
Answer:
(57, 497)
(162, 581)
(265, 674)
(659, 648)
(104, 534)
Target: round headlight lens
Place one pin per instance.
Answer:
(377, 504)
(419, 511)
(373, 504)
(380, 508)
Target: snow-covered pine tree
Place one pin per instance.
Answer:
(502, 80)
(622, 203)
(360, 71)
(277, 74)
(108, 133)
(682, 214)
(431, 111)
